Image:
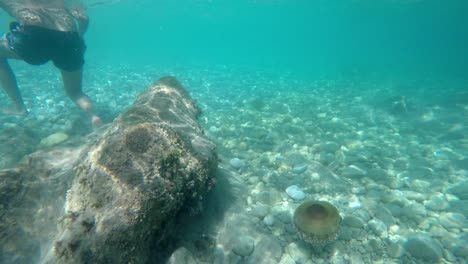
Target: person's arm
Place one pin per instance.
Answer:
(79, 14)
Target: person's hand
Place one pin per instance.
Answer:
(78, 11)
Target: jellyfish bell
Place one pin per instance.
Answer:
(317, 222)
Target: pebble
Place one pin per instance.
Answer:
(213, 129)
(283, 215)
(359, 234)
(298, 169)
(355, 258)
(244, 246)
(450, 256)
(353, 221)
(346, 234)
(181, 256)
(395, 250)
(329, 147)
(378, 227)
(269, 220)
(453, 220)
(437, 203)
(353, 171)
(414, 210)
(363, 215)
(412, 195)
(376, 245)
(218, 255)
(299, 255)
(236, 163)
(295, 193)
(400, 164)
(394, 210)
(421, 186)
(53, 139)
(358, 190)
(253, 180)
(378, 174)
(260, 210)
(286, 259)
(420, 172)
(451, 241)
(438, 231)
(461, 252)
(290, 229)
(424, 248)
(459, 206)
(385, 216)
(269, 197)
(270, 245)
(460, 190)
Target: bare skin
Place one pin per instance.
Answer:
(51, 14)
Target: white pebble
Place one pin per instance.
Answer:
(295, 192)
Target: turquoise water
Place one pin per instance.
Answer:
(360, 103)
(305, 36)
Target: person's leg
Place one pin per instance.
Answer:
(72, 83)
(8, 79)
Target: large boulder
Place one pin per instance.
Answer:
(127, 187)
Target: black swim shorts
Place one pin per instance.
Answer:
(37, 45)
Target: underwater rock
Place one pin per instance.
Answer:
(152, 161)
(317, 222)
(32, 198)
(53, 140)
(123, 191)
(10, 185)
(15, 144)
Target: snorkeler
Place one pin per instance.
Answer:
(46, 30)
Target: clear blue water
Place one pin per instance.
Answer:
(305, 36)
(278, 82)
